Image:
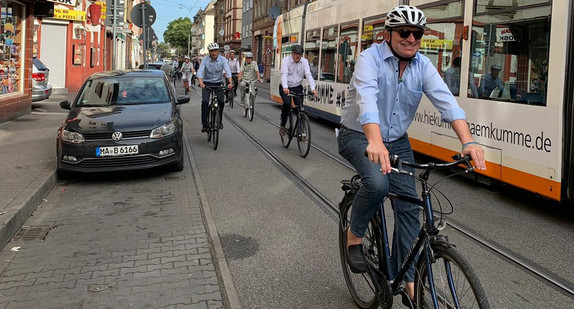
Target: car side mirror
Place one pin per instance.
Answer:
(65, 104)
(181, 99)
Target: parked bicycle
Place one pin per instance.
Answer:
(301, 129)
(443, 278)
(249, 100)
(214, 116)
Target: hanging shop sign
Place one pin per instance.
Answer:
(69, 14)
(65, 2)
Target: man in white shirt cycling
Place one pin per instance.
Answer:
(293, 69)
(235, 66)
(385, 91)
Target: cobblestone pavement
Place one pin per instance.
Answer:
(121, 242)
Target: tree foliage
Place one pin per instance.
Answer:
(178, 32)
(163, 50)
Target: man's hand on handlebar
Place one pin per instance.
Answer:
(202, 85)
(378, 153)
(314, 93)
(286, 91)
(477, 154)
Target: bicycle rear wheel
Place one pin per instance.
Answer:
(360, 286)
(251, 109)
(304, 135)
(215, 127)
(286, 139)
(456, 284)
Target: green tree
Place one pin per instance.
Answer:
(163, 50)
(178, 33)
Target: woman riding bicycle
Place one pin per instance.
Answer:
(187, 74)
(249, 73)
(293, 69)
(385, 91)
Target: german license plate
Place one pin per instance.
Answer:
(116, 151)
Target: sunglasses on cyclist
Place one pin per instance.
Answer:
(405, 33)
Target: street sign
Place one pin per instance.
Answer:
(149, 33)
(136, 14)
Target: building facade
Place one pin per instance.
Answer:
(247, 25)
(16, 46)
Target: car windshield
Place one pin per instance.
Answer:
(123, 91)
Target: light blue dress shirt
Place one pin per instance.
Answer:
(377, 95)
(211, 71)
(292, 73)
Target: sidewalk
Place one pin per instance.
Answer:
(28, 165)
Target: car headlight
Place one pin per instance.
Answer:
(163, 131)
(72, 137)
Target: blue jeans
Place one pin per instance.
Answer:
(375, 186)
(205, 94)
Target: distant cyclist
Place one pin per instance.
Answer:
(293, 69)
(235, 67)
(187, 74)
(249, 72)
(385, 91)
(209, 75)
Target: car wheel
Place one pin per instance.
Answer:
(63, 175)
(178, 167)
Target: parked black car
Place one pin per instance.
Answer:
(122, 120)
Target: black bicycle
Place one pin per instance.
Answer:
(173, 77)
(230, 93)
(443, 278)
(213, 116)
(301, 129)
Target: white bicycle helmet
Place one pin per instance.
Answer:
(248, 55)
(213, 46)
(406, 15)
(496, 66)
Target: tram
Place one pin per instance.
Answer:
(525, 124)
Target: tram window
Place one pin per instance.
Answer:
(347, 51)
(373, 29)
(328, 53)
(312, 42)
(442, 42)
(510, 48)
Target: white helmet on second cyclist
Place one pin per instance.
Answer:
(248, 55)
(406, 15)
(213, 46)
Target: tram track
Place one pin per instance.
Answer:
(547, 277)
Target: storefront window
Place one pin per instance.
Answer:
(328, 53)
(510, 43)
(373, 29)
(442, 43)
(347, 51)
(11, 38)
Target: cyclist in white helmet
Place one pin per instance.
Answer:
(249, 72)
(384, 93)
(209, 75)
(491, 81)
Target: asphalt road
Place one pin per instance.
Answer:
(281, 246)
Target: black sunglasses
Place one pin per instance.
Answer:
(405, 33)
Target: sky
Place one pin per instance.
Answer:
(170, 10)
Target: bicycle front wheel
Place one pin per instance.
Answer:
(251, 109)
(456, 284)
(304, 135)
(245, 104)
(215, 127)
(286, 139)
(360, 286)
(209, 123)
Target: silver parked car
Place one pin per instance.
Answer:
(41, 90)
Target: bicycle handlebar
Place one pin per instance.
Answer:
(397, 163)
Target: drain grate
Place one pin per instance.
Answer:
(28, 233)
